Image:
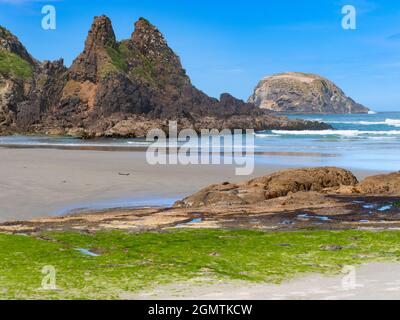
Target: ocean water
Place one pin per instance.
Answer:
(363, 142)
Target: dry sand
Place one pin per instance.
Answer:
(43, 182)
(377, 281)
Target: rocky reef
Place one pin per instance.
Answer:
(303, 93)
(323, 181)
(116, 88)
(276, 185)
(325, 198)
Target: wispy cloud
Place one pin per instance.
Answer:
(394, 37)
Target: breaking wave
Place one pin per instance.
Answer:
(343, 133)
(388, 122)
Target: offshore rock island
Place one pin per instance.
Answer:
(303, 93)
(116, 89)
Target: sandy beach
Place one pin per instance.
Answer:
(40, 182)
(46, 185)
(138, 164)
(375, 281)
(48, 182)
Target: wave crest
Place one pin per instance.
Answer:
(388, 122)
(344, 133)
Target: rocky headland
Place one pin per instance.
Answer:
(116, 88)
(302, 93)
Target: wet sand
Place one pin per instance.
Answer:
(124, 148)
(41, 182)
(47, 182)
(376, 281)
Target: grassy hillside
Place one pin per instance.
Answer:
(12, 65)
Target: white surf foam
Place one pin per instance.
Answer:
(393, 122)
(265, 135)
(388, 122)
(344, 133)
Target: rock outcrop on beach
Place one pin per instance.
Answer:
(301, 93)
(272, 186)
(387, 184)
(116, 88)
(322, 181)
(295, 199)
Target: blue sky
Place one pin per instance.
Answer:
(228, 46)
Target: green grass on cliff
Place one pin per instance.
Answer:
(114, 63)
(14, 66)
(129, 263)
(117, 59)
(145, 69)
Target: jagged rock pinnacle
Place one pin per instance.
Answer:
(101, 33)
(120, 89)
(100, 37)
(147, 37)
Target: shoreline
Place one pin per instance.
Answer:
(338, 228)
(48, 182)
(39, 182)
(121, 148)
(303, 211)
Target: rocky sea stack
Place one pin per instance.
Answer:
(116, 88)
(303, 93)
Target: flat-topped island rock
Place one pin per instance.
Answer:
(302, 93)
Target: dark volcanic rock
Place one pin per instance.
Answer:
(10, 43)
(16, 80)
(119, 94)
(117, 88)
(88, 65)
